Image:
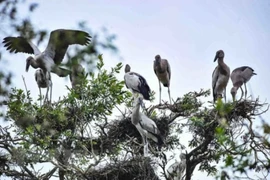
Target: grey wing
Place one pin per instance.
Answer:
(20, 44)
(60, 39)
(168, 69)
(148, 124)
(214, 80)
(154, 67)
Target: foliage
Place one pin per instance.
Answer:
(81, 139)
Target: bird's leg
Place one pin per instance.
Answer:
(245, 91)
(146, 147)
(40, 95)
(169, 92)
(159, 92)
(46, 96)
(224, 93)
(242, 92)
(50, 93)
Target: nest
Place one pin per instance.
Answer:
(124, 131)
(138, 168)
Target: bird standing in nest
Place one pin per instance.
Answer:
(146, 126)
(220, 76)
(240, 76)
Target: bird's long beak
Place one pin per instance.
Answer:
(215, 58)
(27, 65)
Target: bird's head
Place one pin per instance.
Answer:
(28, 62)
(127, 68)
(219, 54)
(157, 57)
(233, 92)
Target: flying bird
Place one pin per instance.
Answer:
(76, 77)
(50, 59)
(162, 70)
(44, 81)
(146, 126)
(220, 76)
(176, 170)
(136, 83)
(240, 76)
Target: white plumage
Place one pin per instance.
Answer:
(44, 81)
(176, 170)
(136, 83)
(146, 126)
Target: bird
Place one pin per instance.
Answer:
(146, 126)
(176, 170)
(220, 76)
(136, 83)
(240, 76)
(162, 70)
(50, 59)
(44, 81)
(76, 77)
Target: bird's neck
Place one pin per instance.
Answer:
(34, 64)
(159, 68)
(220, 61)
(135, 114)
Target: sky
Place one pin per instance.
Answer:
(186, 33)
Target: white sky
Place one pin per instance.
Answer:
(187, 33)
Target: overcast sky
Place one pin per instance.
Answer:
(186, 33)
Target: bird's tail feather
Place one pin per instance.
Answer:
(145, 92)
(158, 139)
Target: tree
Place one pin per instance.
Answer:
(78, 139)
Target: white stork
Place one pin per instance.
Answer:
(44, 81)
(76, 77)
(220, 76)
(50, 59)
(136, 83)
(240, 76)
(162, 70)
(176, 170)
(146, 126)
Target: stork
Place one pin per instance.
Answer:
(220, 76)
(162, 70)
(176, 170)
(136, 83)
(44, 81)
(76, 77)
(240, 76)
(146, 126)
(50, 59)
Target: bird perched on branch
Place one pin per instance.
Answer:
(162, 70)
(50, 59)
(136, 83)
(44, 81)
(146, 126)
(220, 76)
(240, 76)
